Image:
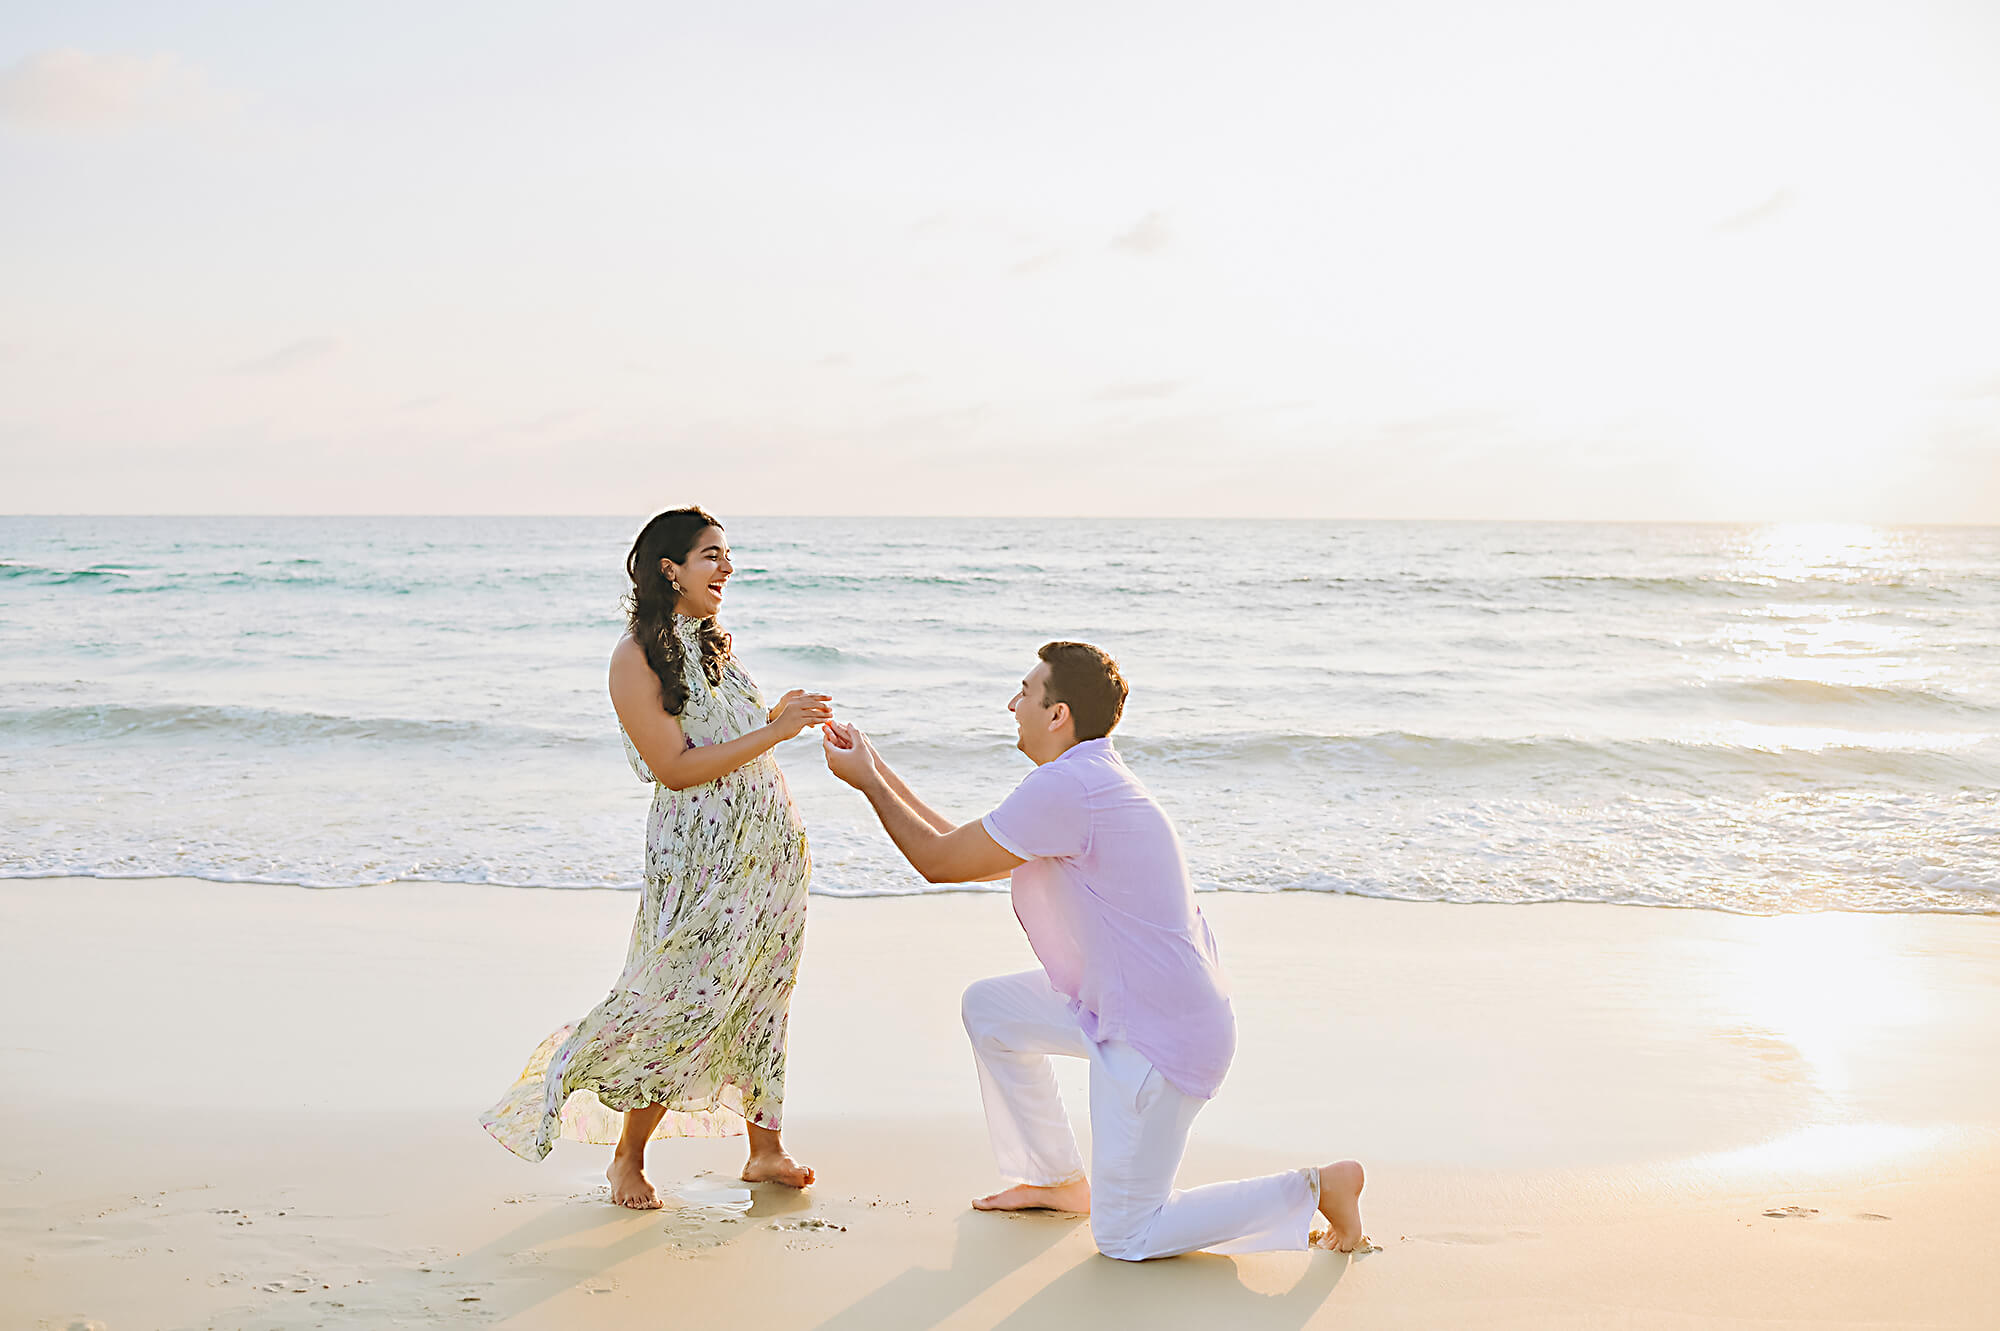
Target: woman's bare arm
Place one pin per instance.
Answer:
(635, 693)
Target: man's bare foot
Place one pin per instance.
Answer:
(1340, 1203)
(777, 1166)
(1073, 1197)
(629, 1186)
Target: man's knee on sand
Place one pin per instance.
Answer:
(1120, 1236)
(976, 1007)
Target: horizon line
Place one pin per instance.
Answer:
(1072, 517)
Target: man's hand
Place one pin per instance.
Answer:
(849, 755)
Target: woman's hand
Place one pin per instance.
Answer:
(799, 709)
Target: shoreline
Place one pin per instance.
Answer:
(1572, 1116)
(1202, 893)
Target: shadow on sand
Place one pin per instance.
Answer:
(1006, 1273)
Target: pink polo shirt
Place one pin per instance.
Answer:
(1107, 905)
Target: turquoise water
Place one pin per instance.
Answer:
(1752, 719)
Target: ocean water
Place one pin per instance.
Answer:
(1748, 719)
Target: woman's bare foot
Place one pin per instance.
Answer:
(629, 1186)
(775, 1165)
(770, 1162)
(1340, 1202)
(1073, 1197)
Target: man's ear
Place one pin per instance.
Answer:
(1057, 715)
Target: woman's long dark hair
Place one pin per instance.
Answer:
(649, 609)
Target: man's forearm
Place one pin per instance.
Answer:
(916, 837)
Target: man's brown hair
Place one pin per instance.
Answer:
(1087, 679)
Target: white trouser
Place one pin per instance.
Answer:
(1138, 1125)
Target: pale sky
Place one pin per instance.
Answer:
(1597, 260)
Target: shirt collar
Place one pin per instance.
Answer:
(1085, 748)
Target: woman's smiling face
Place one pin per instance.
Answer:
(702, 574)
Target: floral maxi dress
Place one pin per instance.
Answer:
(696, 1020)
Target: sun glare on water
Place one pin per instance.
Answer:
(1794, 552)
(1818, 626)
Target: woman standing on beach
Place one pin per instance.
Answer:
(696, 1020)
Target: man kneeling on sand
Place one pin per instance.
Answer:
(1129, 981)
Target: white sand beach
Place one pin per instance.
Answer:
(254, 1106)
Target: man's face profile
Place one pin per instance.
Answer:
(1032, 713)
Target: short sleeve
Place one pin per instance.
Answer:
(1046, 815)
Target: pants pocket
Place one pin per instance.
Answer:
(1150, 1090)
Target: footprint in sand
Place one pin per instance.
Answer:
(804, 1226)
(692, 1232)
(1792, 1212)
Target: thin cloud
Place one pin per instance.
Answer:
(552, 420)
(834, 360)
(1769, 210)
(85, 90)
(928, 427)
(1151, 390)
(1037, 263)
(1149, 235)
(295, 356)
(1451, 436)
